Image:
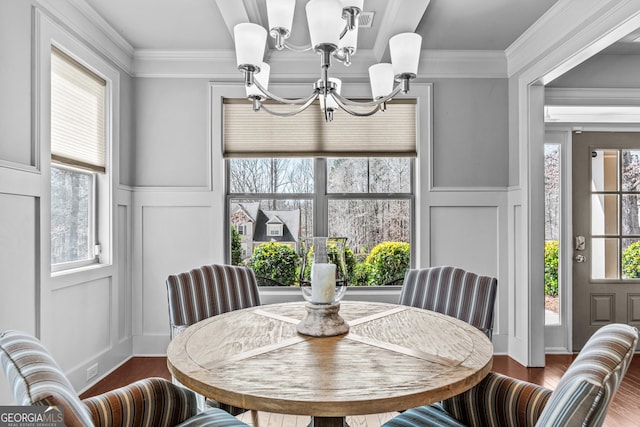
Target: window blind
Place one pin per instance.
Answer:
(248, 133)
(77, 114)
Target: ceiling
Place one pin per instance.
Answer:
(205, 24)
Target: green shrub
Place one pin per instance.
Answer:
(275, 261)
(551, 268)
(390, 260)
(631, 261)
(236, 247)
(362, 275)
(349, 259)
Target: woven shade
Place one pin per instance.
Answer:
(247, 133)
(77, 114)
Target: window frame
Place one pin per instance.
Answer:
(320, 199)
(52, 36)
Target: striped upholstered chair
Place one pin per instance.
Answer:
(581, 397)
(36, 379)
(208, 291)
(454, 292)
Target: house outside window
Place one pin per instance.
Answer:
(274, 229)
(78, 160)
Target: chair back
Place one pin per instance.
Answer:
(585, 390)
(454, 292)
(208, 291)
(36, 379)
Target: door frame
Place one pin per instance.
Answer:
(609, 21)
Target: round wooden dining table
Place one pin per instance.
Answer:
(394, 357)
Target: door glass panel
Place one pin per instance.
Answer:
(604, 214)
(604, 258)
(631, 258)
(630, 170)
(552, 185)
(604, 170)
(630, 214)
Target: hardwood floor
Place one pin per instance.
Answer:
(623, 411)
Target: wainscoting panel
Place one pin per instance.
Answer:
(466, 237)
(124, 293)
(83, 322)
(19, 302)
(174, 239)
(18, 305)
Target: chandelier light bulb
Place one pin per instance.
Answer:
(325, 22)
(381, 78)
(405, 53)
(250, 40)
(280, 16)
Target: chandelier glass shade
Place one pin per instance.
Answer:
(333, 30)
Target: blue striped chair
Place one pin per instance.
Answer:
(208, 291)
(36, 379)
(581, 397)
(454, 292)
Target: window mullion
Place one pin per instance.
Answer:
(320, 203)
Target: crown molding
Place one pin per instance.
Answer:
(288, 65)
(574, 21)
(220, 64)
(84, 21)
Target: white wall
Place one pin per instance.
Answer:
(602, 71)
(168, 199)
(83, 317)
(178, 207)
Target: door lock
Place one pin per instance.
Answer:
(579, 243)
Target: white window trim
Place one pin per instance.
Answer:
(50, 33)
(423, 92)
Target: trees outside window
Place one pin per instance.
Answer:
(367, 200)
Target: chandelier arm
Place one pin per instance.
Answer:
(356, 113)
(376, 103)
(284, 100)
(297, 48)
(292, 112)
(344, 30)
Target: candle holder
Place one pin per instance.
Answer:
(323, 282)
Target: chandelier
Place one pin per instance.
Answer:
(333, 29)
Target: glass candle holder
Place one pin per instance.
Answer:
(323, 270)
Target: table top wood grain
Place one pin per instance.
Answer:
(393, 358)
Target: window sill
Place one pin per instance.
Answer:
(74, 276)
(278, 294)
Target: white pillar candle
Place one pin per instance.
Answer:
(323, 283)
